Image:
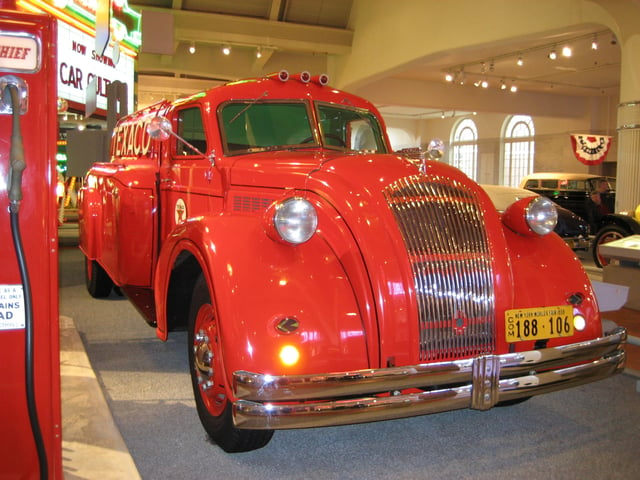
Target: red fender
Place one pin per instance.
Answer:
(256, 282)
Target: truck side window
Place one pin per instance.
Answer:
(191, 128)
(351, 128)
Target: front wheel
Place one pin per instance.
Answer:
(607, 234)
(99, 284)
(208, 378)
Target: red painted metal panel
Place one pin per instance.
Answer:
(38, 226)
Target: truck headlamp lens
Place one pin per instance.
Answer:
(541, 215)
(295, 220)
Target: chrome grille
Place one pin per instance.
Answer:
(443, 230)
(246, 203)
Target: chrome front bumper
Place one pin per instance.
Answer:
(301, 401)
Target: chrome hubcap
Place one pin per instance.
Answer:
(203, 360)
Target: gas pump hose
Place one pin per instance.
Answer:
(16, 158)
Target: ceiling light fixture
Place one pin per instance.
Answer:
(226, 49)
(486, 68)
(258, 52)
(192, 48)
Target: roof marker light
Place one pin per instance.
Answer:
(322, 79)
(305, 77)
(283, 75)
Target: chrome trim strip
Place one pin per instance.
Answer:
(633, 103)
(479, 383)
(632, 126)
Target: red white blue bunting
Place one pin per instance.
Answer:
(590, 149)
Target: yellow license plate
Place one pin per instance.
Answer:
(538, 323)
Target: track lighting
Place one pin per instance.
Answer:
(487, 70)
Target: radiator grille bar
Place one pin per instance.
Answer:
(442, 225)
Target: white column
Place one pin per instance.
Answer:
(628, 171)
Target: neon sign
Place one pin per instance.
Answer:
(125, 25)
(79, 65)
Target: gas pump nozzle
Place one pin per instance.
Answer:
(14, 95)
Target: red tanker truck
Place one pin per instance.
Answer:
(323, 279)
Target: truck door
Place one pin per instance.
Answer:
(129, 200)
(190, 185)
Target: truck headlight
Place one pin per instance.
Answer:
(541, 215)
(295, 219)
(531, 216)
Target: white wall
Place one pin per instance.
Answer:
(553, 150)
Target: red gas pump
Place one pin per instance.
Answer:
(30, 419)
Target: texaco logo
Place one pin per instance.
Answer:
(180, 211)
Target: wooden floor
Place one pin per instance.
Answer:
(630, 319)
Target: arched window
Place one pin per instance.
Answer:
(464, 147)
(518, 149)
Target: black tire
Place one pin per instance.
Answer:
(515, 401)
(607, 234)
(208, 378)
(99, 284)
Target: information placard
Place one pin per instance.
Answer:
(11, 307)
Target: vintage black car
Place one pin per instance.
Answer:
(573, 229)
(574, 191)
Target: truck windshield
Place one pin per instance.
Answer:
(254, 126)
(251, 126)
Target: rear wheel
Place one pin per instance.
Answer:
(208, 378)
(605, 235)
(99, 284)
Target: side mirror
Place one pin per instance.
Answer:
(419, 156)
(435, 150)
(159, 128)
